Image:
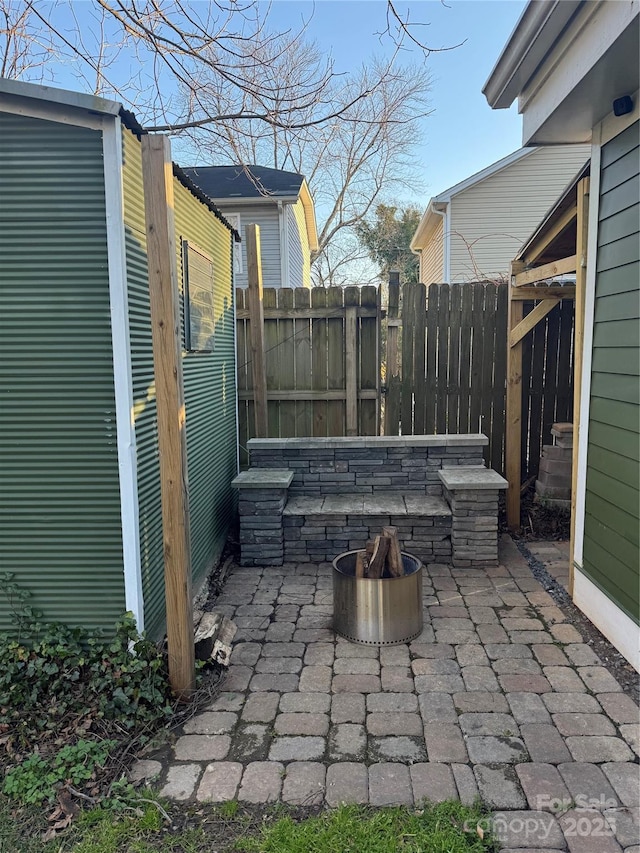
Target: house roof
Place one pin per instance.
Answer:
(230, 182)
(431, 217)
(66, 99)
(258, 185)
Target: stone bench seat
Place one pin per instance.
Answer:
(381, 504)
(320, 527)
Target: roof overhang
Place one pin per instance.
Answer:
(61, 97)
(566, 62)
(428, 224)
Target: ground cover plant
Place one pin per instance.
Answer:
(76, 707)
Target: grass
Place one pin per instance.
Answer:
(444, 828)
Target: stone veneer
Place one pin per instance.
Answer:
(342, 491)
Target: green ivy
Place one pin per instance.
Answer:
(37, 778)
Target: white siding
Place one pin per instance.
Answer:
(267, 218)
(432, 256)
(299, 240)
(491, 220)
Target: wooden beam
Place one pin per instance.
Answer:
(301, 396)
(531, 320)
(551, 270)
(351, 370)
(540, 246)
(543, 291)
(582, 234)
(513, 425)
(157, 176)
(256, 329)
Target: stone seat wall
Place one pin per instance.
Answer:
(330, 495)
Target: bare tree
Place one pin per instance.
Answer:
(217, 71)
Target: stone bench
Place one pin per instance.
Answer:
(311, 499)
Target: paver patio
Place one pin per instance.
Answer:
(497, 698)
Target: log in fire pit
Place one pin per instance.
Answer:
(377, 593)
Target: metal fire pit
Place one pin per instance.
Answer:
(377, 611)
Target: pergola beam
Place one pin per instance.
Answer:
(543, 292)
(550, 270)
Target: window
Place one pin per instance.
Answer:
(234, 221)
(197, 271)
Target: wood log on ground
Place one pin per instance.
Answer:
(394, 557)
(213, 634)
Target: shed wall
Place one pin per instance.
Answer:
(210, 390)
(302, 245)
(60, 527)
(612, 518)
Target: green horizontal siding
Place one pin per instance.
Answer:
(611, 553)
(210, 392)
(59, 493)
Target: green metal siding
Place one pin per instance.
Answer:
(611, 548)
(60, 526)
(210, 391)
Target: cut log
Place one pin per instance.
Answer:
(394, 557)
(360, 564)
(380, 550)
(213, 635)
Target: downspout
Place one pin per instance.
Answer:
(442, 209)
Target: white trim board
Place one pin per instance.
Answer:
(587, 346)
(610, 620)
(61, 113)
(122, 375)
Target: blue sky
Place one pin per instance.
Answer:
(463, 135)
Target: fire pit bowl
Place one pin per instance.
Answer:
(377, 611)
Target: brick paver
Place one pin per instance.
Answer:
(499, 697)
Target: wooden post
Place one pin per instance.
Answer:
(351, 369)
(513, 426)
(392, 377)
(582, 230)
(256, 329)
(172, 447)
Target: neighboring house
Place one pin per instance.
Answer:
(574, 69)
(280, 203)
(473, 230)
(80, 507)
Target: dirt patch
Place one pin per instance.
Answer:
(537, 520)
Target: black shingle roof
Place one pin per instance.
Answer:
(219, 182)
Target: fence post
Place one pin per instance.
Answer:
(256, 329)
(392, 398)
(167, 358)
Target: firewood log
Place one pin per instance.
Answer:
(394, 557)
(380, 550)
(360, 564)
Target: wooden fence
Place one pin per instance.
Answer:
(453, 368)
(322, 357)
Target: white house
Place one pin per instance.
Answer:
(573, 67)
(280, 203)
(473, 230)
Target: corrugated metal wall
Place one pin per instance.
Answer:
(210, 391)
(612, 519)
(59, 496)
